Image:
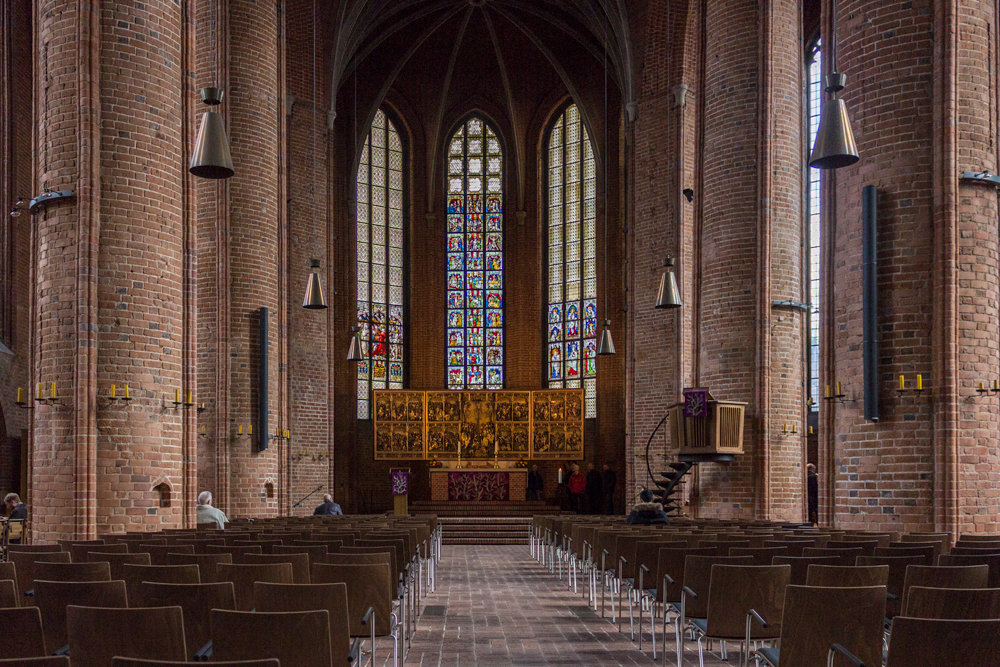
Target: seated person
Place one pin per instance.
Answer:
(327, 507)
(646, 512)
(16, 510)
(208, 514)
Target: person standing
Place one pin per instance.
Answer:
(609, 480)
(595, 495)
(327, 507)
(577, 486)
(535, 484)
(812, 487)
(205, 513)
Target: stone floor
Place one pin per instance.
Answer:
(496, 606)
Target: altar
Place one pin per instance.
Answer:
(479, 484)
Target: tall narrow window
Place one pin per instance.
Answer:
(474, 345)
(572, 259)
(815, 94)
(380, 262)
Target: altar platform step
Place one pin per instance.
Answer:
(458, 508)
(484, 529)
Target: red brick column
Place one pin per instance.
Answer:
(113, 269)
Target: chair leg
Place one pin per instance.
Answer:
(640, 622)
(701, 653)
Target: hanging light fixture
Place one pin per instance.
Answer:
(15, 210)
(606, 345)
(834, 147)
(354, 353)
(668, 296)
(211, 157)
(315, 299)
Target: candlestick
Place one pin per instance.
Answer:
(996, 385)
(177, 396)
(20, 395)
(784, 428)
(203, 430)
(811, 430)
(190, 400)
(920, 382)
(560, 475)
(982, 388)
(53, 396)
(828, 391)
(113, 389)
(795, 429)
(127, 397)
(250, 429)
(902, 383)
(286, 434)
(840, 392)
(39, 392)
(239, 430)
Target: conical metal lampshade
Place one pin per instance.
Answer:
(315, 298)
(606, 345)
(211, 157)
(354, 352)
(668, 296)
(834, 147)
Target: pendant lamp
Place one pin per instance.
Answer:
(315, 299)
(834, 147)
(668, 296)
(606, 346)
(354, 353)
(211, 158)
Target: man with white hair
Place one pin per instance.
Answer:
(208, 514)
(328, 507)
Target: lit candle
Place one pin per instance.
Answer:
(828, 391)
(177, 395)
(839, 392)
(112, 391)
(53, 390)
(239, 431)
(190, 397)
(39, 391)
(902, 383)
(560, 475)
(920, 383)
(20, 394)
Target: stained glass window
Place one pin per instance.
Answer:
(380, 262)
(815, 101)
(474, 333)
(572, 259)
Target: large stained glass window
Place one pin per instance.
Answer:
(380, 262)
(815, 101)
(572, 259)
(474, 334)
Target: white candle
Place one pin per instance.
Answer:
(560, 475)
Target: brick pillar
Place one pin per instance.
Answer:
(114, 269)
(750, 251)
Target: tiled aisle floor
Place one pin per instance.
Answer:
(495, 606)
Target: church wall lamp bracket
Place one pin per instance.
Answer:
(984, 177)
(791, 304)
(47, 198)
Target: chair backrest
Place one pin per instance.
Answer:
(897, 577)
(369, 585)
(816, 617)
(159, 553)
(941, 576)
(233, 550)
(793, 547)
(941, 545)
(299, 563)
(973, 551)
(22, 634)
(760, 555)
(8, 594)
(331, 545)
(397, 546)
(953, 603)
(625, 546)
(316, 552)
(387, 552)
(244, 576)
(670, 561)
(847, 556)
(73, 571)
(920, 642)
(164, 574)
(979, 537)
(736, 589)
(843, 576)
(200, 544)
(8, 571)
(117, 562)
(79, 551)
(992, 560)
(208, 564)
(647, 552)
(800, 565)
(979, 544)
(96, 634)
(924, 550)
(365, 558)
(298, 597)
(133, 662)
(66, 544)
(52, 598)
(698, 577)
(295, 638)
(265, 544)
(24, 565)
(51, 548)
(197, 601)
(725, 545)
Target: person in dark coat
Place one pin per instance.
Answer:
(16, 510)
(646, 512)
(609, 480)
(327, 507)
(595, 493)
(535, 484)
(812, 487)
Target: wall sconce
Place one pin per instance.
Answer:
(839, 396)
(51, 400)
(918, 390)
(113, 396)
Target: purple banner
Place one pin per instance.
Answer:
(482, 486)
(400, 483)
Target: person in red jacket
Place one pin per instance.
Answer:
(577, 486)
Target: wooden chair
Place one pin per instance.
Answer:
(952, 603)
(197, 601)
(816, 618)
(164, 574)
(847, 556)
(201, 544)
(24, 565)
(840, 576)
(793, 546)
(897, 576)
(208, 564)
(867, 546)
(331, 545)
(724, 546)
(979, 537)
(23, 637)
(8, 594)
(991, 560)
(96, 634)
(295, 638)
(800, 565)
(66, 544)
(73, 571)
(159, 554)
(299, 563)
(973, 551)
(46, 661)
(737, 596)
(971, 576)
(265, 545)
(35, 548)
(8, 571)
(979, 544)
(316, 552)
(235, 551)
(117, 562)
(298, 597)
(694, 593)
(919, 642)
(79, 551)
(133, 662)
(917, 549)
(760, 555)
(372, 608)
(53, 597)
(244, 576)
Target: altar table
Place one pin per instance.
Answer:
(479, 484)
